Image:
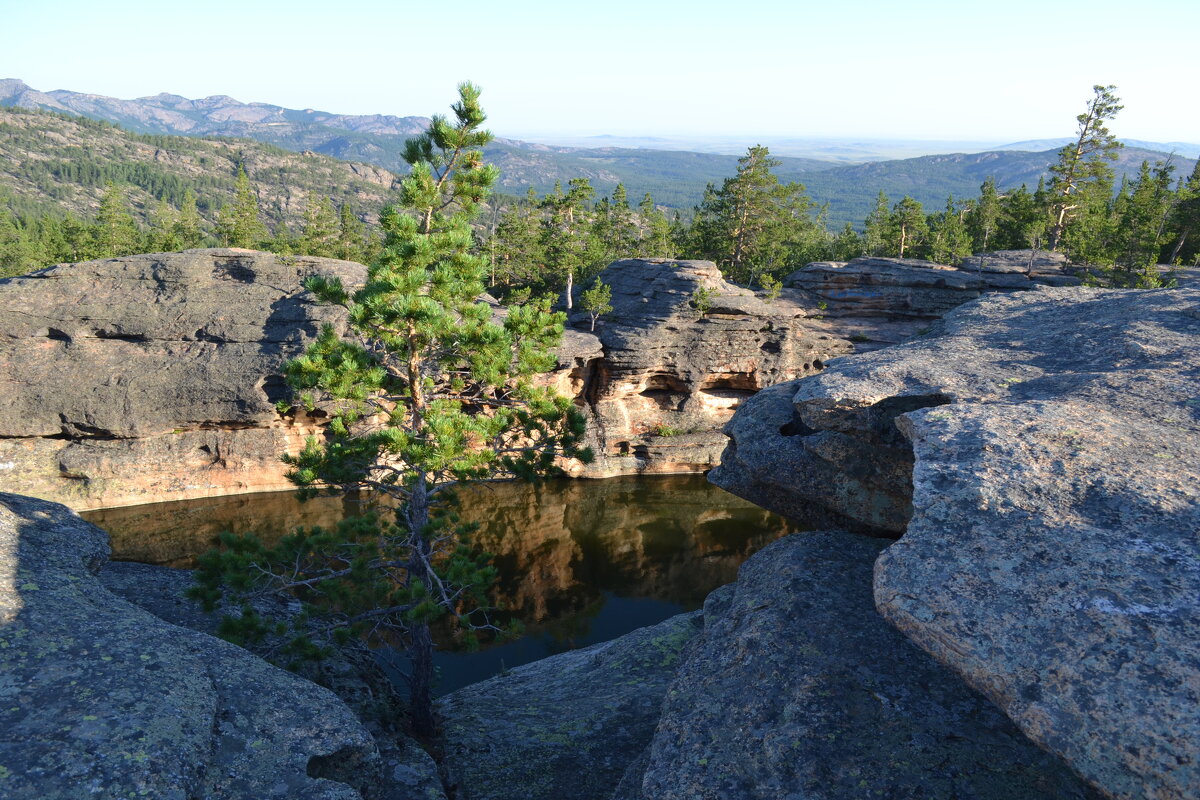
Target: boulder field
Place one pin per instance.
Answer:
(1038, 456)
(156, 377)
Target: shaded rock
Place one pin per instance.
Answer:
(1052, 557)
(565, 726)
(796, 688)
(671, 376)
(402, 771)
(103, 699)
(828, 477)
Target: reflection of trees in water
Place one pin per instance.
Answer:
(558, 546)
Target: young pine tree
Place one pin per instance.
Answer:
(1083, 163)
(431, 390)
(239, 223)
(116, 232)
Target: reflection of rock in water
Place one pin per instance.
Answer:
(558, 547)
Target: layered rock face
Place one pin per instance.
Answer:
(103, 699)
(153, 377)
(672, 373)
(882, 301)
(1051, 558)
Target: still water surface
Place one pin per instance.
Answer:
(580, 562)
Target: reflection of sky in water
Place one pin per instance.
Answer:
(580, 562)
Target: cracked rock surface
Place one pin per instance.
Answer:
(1053, 553)
(100, 699)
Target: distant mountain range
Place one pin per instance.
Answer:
(675, 177)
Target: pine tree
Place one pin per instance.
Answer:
(1141, 224)
(163, 236)
(319, 237)
(238, 223)
(189, 227)
(1185, 218)
(116, 231)
(907, 228)
(655, 240)
(876, 226)
(984, 216)
(754, 225)
(431, 391)
(848, 244)
(1083, 163)
(351, 236)
(597, 301)
(949, 242)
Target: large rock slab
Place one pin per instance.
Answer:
(1052, 558)
(797, 688)
(673, 374)
(102, 699)
(155, 376)
(565, 726)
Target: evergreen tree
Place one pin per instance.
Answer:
(597, 301)
(239, 223)
(189, 228)
(949, 241)
(754, 225)
(319, 237)
(163, 236)
(565, 241)
(848, 244)
(351, 242)
(431, 391)
(1185, 219)
(655, 240)
(906, 227)
(1022, 222)
(1141, 224)
(984, 216)
(876, 226)
(1083, 163)
(116, 231)
(517, 247)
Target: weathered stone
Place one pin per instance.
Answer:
(565, 726)
(1052, 556)
(672, 376)
(403, 771)
(105, 700)
(796, 688)
(882, 301)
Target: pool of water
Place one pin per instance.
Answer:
(580, 562)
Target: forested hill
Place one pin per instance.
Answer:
(53, 163)
(675, 178)
(851, 191)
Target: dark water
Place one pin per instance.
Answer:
(580, 562)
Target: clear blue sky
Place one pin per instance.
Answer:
(995, 71)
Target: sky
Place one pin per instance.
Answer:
(990, 72)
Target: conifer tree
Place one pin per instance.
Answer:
(876, 226)
(754, 225)
(597, 301)
(655, 239)
(848, 244)
(319, 235)
(949, 242)
(430, 391)
(351, 236)
(984, 216)
(238, 223)
(189, 227)
(907, 228)
(1083, 163)
(1185, 218)
(116, 231)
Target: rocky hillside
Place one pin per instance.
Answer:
(48, 161)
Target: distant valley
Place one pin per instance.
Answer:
(674, 177)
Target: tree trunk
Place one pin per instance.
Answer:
(420, 649)
(570, 288)
(1178, 245)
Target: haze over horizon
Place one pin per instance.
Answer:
(763, 69)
